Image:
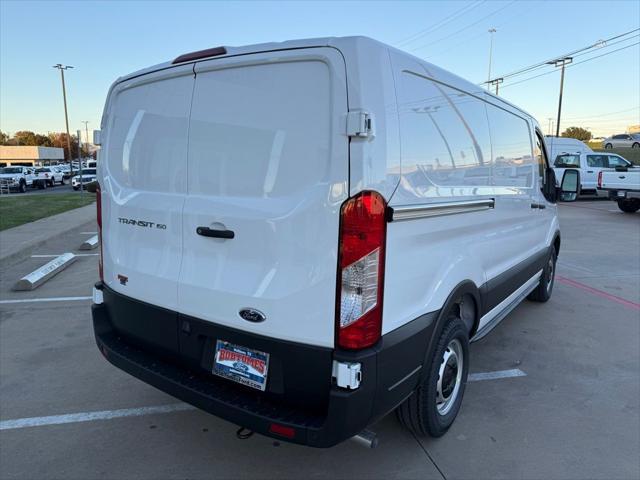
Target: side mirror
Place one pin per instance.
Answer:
(570, 186)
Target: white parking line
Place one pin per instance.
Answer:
(76, 254)
(92, 416)
(477, 377)
(52, 299)
(88, 233)
(176, 407)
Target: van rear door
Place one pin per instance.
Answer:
(267, 174)
(143, 180)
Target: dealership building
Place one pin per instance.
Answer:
(30, 156)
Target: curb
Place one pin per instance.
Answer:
(23, 239)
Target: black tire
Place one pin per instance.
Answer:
(52, 183)
(608, 146)
(635, 145)
(76, 188)
(543, 291)
(420, 413)
(629, 206)
(23, 186)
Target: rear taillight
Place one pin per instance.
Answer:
(600, 179)
(363, 229)
(99, 221)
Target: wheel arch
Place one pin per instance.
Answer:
(464, 289)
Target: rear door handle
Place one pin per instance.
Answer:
(210, 232)
(589, 171)
(540, 206)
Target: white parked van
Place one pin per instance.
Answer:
(302, 237)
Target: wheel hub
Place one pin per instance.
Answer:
(449, 377)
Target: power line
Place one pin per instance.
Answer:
(599, 43)
(572, 65)
(605, 114)
(439, 24)
(465, 28)
(518, 14)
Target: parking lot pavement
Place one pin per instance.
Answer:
(574, 415)
(66, 188)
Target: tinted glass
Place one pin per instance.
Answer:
(567, 161)
(444, 137)
(513, 162)
(541, 158)
(615, 161)
(12, 170)
(597, 161)
(43, 170)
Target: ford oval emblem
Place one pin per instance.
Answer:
(252, 315)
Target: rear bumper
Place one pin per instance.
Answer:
(300, 391)
(621, 194)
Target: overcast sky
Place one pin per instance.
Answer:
(104, 40)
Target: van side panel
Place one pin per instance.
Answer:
(451, 155)
(143, 180)
(374, 160)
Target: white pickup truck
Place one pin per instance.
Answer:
(622, 186)
(590, 165)
(18, 178)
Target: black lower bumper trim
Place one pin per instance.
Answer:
(346, 412)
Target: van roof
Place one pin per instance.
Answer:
(341, 43)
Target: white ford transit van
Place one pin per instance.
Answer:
(302, 237)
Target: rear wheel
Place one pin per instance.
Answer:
(23, 186)
(433, 407)
(608, 146)
(629, 206)
(635, 145)
(542, 293)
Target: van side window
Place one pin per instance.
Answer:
(444, 137)
(513, 162)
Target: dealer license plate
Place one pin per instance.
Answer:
(240, 364)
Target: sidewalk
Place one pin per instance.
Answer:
(31, 235)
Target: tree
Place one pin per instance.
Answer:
(60, 140)
(4, 138)
(25, 137)
(578, 133)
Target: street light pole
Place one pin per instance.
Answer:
(560, 62)
(491, 32)
(62, 68)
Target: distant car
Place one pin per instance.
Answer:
(623, 140)
(48, 177)
(18, 178)
(88, 176)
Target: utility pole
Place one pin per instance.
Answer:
(550, 125)
(62, 68)
(560, 62)
(491, 32)
(86, 134)
(80, 161)
(496, 82)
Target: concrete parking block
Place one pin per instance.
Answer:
(90, 243)
(44, 273)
